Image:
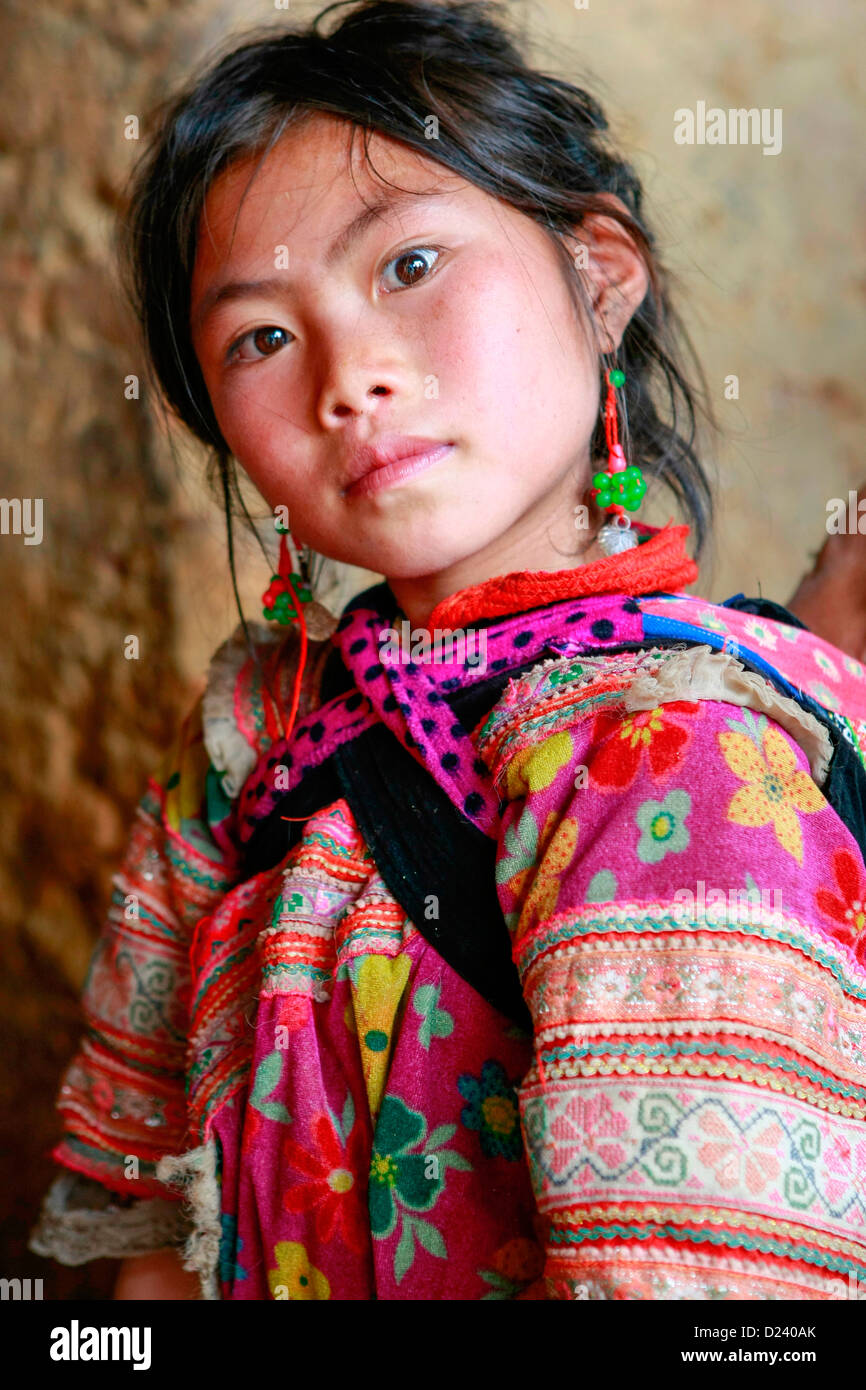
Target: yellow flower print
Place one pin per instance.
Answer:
(547, 832)
(378, 983)
(776, 789)
(294, 1276)
(543, 895)
(532, 850)
(534, 768)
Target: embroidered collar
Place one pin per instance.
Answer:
(411, 697)
(659, 562)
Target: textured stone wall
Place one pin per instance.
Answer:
(769, 255)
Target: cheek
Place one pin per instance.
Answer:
(514, 352)
(234, 411)
(257, 428)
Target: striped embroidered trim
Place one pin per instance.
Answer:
(691, 978)
(855, 1262)
(673, 1029)
(625, 1062)
(305, 953)
(661, 1214)
(325, 903)
(651, 1272)
(736, 1149)
(666, 919)
(376, 924)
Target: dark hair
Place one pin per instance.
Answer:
(533, 140)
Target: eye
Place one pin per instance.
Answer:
(262, 339)
(414, 264)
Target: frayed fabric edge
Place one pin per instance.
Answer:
(80, 1221)
(195, 1175)
(702, 673)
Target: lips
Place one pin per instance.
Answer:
(389, 449)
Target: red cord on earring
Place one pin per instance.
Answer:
(296, 690)
(284, 571)
(302, 661)
(616, 461)
(611, 423)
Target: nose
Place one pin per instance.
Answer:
(360, 363)
(341, 408)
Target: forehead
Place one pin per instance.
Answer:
(315, 177)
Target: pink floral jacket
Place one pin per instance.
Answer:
(346, 1117)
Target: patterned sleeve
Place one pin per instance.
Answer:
(687, 912)
(122, 1097)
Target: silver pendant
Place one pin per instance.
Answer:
(616, 536)
(320, 623)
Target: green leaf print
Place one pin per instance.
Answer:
(430, 1238)
(441, 1134)
(348, 1117)
(500, 1287)
(404, 1255)
(446, 1158)
(343, 1128)
(267, 1080)
(407, 1175)
(436, 1022)
(520, 844)
(750, 726)
(427, 1236)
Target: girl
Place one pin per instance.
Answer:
(525, 966)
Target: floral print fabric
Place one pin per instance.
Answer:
(381, 1106)
(695, 1112)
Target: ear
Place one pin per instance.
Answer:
(614, 272)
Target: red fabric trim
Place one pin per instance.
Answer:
(108, 1176)
(662, 562)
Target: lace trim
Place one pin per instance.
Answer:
(702, 673)
(230, 752)
(81, 1220)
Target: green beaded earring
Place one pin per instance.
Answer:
(277, 600)
(621, 487)
(289, 597)
(289, 600)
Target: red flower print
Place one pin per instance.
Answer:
(847, 910)
(624, 738)
(329, 1183)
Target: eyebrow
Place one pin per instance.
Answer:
(340, 246)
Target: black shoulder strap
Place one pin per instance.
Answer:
(439, 867)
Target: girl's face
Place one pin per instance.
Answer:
(444, 316)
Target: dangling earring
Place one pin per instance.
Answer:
(622, 486)
(288, 599)
(289, 588)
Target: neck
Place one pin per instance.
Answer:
(549, 546)
(659, 562)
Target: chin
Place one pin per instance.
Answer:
(407, 557)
